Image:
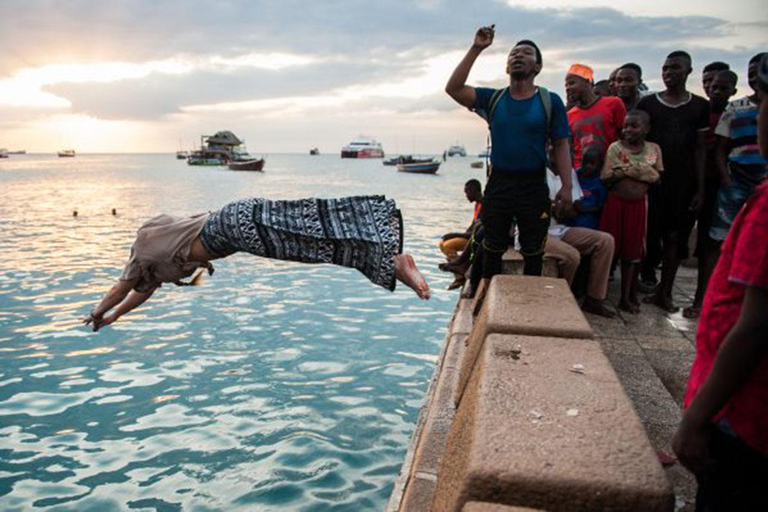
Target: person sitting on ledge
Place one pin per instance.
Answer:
(453, 243)
(364, 233)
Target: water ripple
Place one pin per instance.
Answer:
(272, 386)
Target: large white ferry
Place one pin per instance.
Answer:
(363, 147)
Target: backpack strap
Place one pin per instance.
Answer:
(495, 98)
(546, 100)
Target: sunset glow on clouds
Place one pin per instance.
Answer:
(107, 77)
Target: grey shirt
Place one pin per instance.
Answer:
(161, 250)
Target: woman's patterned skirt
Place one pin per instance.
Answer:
(363, 232)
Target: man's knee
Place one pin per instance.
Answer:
(605, 242)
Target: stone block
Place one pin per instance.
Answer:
(532, 432)
(512, 263)
(433, 437)
(479, 506)
(418, 494)
(537, 306)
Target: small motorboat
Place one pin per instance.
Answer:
(421, 167)
(181, 155)
(247, 165)
(456, 150)
(314, 151)
(66, 153)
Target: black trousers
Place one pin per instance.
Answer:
(738, 479)
(515, 200)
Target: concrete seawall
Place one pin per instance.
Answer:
(528, 410)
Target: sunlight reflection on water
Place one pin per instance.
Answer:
(273, 385)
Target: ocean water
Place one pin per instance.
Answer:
(273, 386)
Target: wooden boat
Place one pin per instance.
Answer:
(425, 167)
(405, 159)
(66, 153)
(201, 159)
(247, 165)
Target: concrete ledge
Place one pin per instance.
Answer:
(537, 306)
(532, 432)
(512, 263)
(479, 506)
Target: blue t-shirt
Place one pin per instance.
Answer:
(594, 196)
(518, 130)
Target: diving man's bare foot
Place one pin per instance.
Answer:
(407, 273)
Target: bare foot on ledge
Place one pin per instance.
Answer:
(407, 273)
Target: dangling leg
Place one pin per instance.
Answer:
(407, 273)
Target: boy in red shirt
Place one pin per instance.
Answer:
(723, 437)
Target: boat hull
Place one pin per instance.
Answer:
(362, 153)
(419, 168)
(208, 162)
(249, 165)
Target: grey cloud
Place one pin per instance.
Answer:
(159, 95)
(368, 38)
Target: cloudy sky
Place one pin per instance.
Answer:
(146, 76)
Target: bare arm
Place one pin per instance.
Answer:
(742, 351)
(457, 87)
(131, 302)
(112, 298)
(563, 168)
(721, 160)
(700, 163)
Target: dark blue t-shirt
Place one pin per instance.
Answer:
(518, 130)
(595, 195)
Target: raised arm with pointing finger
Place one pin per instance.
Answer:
(457, 87)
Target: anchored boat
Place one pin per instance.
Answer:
(363, 147)
(421, 167)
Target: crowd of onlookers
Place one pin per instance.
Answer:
(620, 175)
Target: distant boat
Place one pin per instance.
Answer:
(405, 159)
(428, 167)
(66, 153)
(3, 153)
(217, 149)
(477, 165)
(363, 147)
(181, 155)
(198, 158)
(247, 165)
(456, 150)
(314, 151)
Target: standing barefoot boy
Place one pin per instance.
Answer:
(631, 166)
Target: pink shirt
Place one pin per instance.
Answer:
(743, 263)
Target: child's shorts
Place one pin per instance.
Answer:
(626, 220)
